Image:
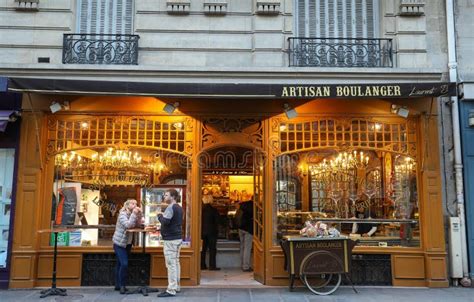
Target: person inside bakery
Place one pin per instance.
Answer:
(361, 228)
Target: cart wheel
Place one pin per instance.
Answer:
(322, 284)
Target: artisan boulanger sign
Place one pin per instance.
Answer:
(368, 90)
(232, 90)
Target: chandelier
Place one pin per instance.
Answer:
(112, 166)
(118, 159)
(341, 167)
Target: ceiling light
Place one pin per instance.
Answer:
(290, 112)
(56, 106)
(399, 110)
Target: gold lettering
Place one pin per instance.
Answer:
(390, 90)
(327, 91)
(299, 90)
(292, 91)
(368, 91)
(383, 90)
(376, 90)
(397, 91)
(285, 91)
(319, 92)
(339, 91)
(353, 91)
(311, 91)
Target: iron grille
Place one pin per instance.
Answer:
(371, 270)
(100, 49)
(99, 269)
(340, 52)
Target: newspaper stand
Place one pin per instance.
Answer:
(319, 262)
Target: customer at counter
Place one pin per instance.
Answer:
(129, 217)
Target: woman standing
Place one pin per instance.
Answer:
(129, 217)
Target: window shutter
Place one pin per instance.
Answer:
(313, 18)
(301, 20)
(336, 18)
(105, 16)
(128, 16)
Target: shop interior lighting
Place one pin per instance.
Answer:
(56, 106)
(170, 108)
(290, 112)
(399, 110)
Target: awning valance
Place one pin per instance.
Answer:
(232, 90)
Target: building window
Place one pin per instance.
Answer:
(7, 160)
(105, 16)
(356, 174)
(336, 18)
(101, 161)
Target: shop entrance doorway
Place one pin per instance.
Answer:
(230, 194)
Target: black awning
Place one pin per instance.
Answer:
(232, 90)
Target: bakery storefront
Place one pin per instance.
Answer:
(363, 158)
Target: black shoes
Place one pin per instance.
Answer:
(117, 288)
(248, 270)
(123, 290)
(214, 268)
(165, 294)
(203, 267)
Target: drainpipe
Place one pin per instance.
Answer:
(458, 166)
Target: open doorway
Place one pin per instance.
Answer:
(227, 184)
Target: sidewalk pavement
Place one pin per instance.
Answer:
(264, 294)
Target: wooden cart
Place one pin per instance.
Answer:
(319, 262)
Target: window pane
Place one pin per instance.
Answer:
(92, 185)
(365, 194)
(7, 160)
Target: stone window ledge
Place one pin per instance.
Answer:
(412, 7)
(268, 7)
(218, 7)
(27, 5)
(180, 7)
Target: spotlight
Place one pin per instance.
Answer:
(401, 111)
(10, 116)
(55, 106)
(290, 112)
(171, 108)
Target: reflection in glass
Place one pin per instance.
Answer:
(91, 185)
(367, 193)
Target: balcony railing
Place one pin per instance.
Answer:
(100, 49)
(340, 52)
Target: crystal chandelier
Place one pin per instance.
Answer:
(118, 159)
(112, 166)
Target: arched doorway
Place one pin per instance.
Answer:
(232, 178)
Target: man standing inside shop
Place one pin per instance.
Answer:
(171, 221)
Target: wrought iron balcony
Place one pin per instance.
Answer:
(100, 49)
(340, 52)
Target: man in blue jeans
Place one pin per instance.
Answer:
(171, 221)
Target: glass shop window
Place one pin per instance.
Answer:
(368, 195)
(91, 186)
(7, 160)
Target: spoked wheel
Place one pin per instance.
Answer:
(322, 284)
(320, 272)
